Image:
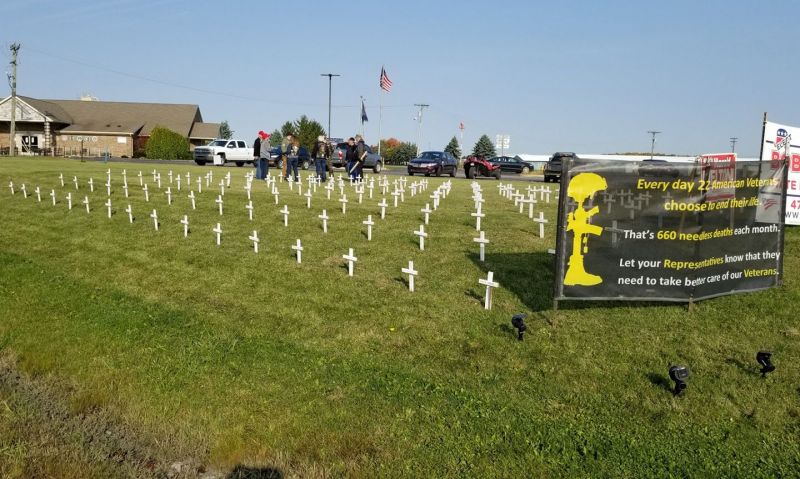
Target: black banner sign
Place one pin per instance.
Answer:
(654, 230)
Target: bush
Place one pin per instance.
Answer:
(165, 144)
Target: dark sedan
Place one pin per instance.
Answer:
(433, 163)
(511, 164)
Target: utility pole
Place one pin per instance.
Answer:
(330, 82)
(12, 82)
(653, 142)
(421, 107)
(733, 144)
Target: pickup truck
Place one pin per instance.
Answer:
(221, 151)
(372, 161)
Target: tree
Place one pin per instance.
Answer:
(404, 153)
(484, 147)
(453, 148)
(307, 131)
(275, 138)
(165, 144)
(288, 129)
(225, 130)
(388, 148)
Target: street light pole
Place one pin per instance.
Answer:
(12, 82)
(421, 106)
(653, 142)
(330, 89)
(733, 144)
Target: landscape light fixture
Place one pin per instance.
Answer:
(764, 358)
(518, 321)
(679, 374)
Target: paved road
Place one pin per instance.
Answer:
(390, 171)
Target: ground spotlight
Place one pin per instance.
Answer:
(518, 321)
(679, 374)
(764, 358)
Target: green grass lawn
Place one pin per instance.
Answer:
(224, 358)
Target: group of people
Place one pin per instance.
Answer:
(355, 155)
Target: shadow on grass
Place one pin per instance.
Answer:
(527, 275)
(244, 472)
(660, 380)
(744, 367)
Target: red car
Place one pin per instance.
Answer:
(478, 165)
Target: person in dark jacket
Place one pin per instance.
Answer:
(361, 151)
(350, 156)
(258, 159)
(321, 154)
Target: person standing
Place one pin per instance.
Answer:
(263, 157)
(321, 154)
(361, 151)
(292, 155)
(286, 148)
(350, 156)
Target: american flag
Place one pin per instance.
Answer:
(386, 84)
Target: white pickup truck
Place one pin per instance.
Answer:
(221, 151)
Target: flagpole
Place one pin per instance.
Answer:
(380, 115)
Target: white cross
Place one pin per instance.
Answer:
(299, 187)
(199, 184)
(483, 242)
(75, 180)
(11, 186)
(53, 195)
(125, 188)
(275, 193)
(141, 179)
(411, 272)
(396, 194)
(324, 218)
(185, 223)
(249, 207)
(248, 189)
(351, 259)
(308, 198)
(169, 195)
(69, 201)
(546, 192)
(222, 187)
(360, 191)
(614, 230)
(427, 210)
(255, 240)
(371, 186)
(108, 187)
(290, 180)
(192, 197)
(219, 202)
(487, 304)
(86, 202)
(285, 212)
(299, 249)
(541, 222)
(169, 174)
(414, 189)
(130, 213)
(61, 178)
(435, 197)
(178, 182)
(478, 215)
(228, 179)
(343, 201)
(24, 191)
(91, 185)
(38, 194)
(369, 224)
(422, 235)
(383, 206)
(154, 215)
(218, 231)
(146, 193)
(154, 175)
(328, 188)
(108, 205)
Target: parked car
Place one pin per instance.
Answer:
(552, 171)
(512, 164)
(478, 165)
(372, 161)
(221, 151)
(303, 157)
(433, 163)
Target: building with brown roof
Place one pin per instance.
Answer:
(93, 127)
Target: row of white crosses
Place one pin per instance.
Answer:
(509, 192)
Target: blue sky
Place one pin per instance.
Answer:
(584, 76)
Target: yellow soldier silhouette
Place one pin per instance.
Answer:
(581, 188)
